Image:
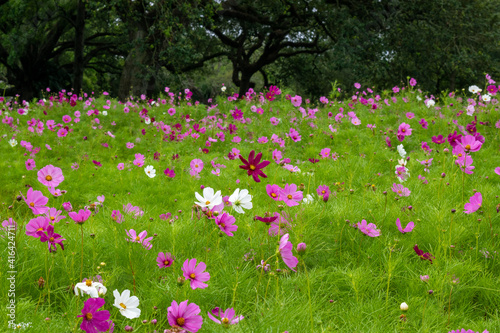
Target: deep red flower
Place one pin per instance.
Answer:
(254, 165)
(422, 255)
(266, 220)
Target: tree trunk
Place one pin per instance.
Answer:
(78, 66)
(134, 79)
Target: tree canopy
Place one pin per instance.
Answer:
(137, 46)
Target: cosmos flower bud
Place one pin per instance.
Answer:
(301, 248)
(403, 306)
(180, 281)
(326, 197)
(154, 321)
(443, 175)
(128, 328)
(19, 198)
(302, 187)
(202, 187)
(384, 193)
(431, 292)
(446, 150)
(453, 210)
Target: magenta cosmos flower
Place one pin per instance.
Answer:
(164, 259)
(474, 203)
(470, 144)
(273, 191)
(30, 164)
(254, 166)
(226, 318)
(466, 331)
(408, 228)
(290, 196)
(196, 165)
(286, 254)
(81, 216)
(323, 190)
(51, 238)
(226, 223)
(196, 275)
(117, 216)
(369, 229)
(94, 321)
(185, 316)
(50, 175)
(36, 201)
(400, 190)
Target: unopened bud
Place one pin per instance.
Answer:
(403, 306)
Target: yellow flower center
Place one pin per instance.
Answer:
(39, 229)
(166, 262)
(252, 167)
(467, 147)
(196, 165)
(123, 305)
(225, 321)
(52, 218)
(88, 283)
(88, 316)
(403, 130)
(48, 178)
(51, 239)
(289, 196)
(32, 204)
(223, 225)
(180, 321)
(192, 275)
(400, 192)
(459, 154)
(138, 238)
(207, 203)
(273, 195)
(323, 192)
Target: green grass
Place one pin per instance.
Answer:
(345, 282)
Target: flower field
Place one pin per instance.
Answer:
(373, 211)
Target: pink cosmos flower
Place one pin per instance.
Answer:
(296, 100)
(465, 164)
(81, 216)
(50, 175)
(30, 164)
(117, 216)
(226, 223)
(474, 203)
(279, 225)
(164, 259)
(36, 224)
(51, 238)
(404, 130)
(94, 321)
(470, 144)
(67, 206)
(497, 171)
(290, 195)
(410, 115)
(36, 201)
(120, 166)
(402, 173)
(185, 316)
(139, 238)
(325, 153)
(368, 229)
(400, 190)
(130, 145)
(196, 275)
(135, 210)
(196, 165)
(62, 133)
(409, 227)
(226, 318)
(54, 215)
(285, 250)
(66, 118)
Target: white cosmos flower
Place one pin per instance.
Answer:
(13, 142)
(104, 113)
(308, 199)
(401, 151)
(89, 287)
(150, 171)
(147, 121)
(474, 89)
(430, 103)
(419, 98)
(209, 198)
(127, 305)
(223, 88)
(241, 199)
(486, 97)
(470, 110)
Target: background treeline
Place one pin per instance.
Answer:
(136, 46)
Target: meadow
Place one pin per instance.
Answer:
(376, 211)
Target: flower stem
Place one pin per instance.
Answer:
(309, 295)
(81, 266)
(449, 307)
